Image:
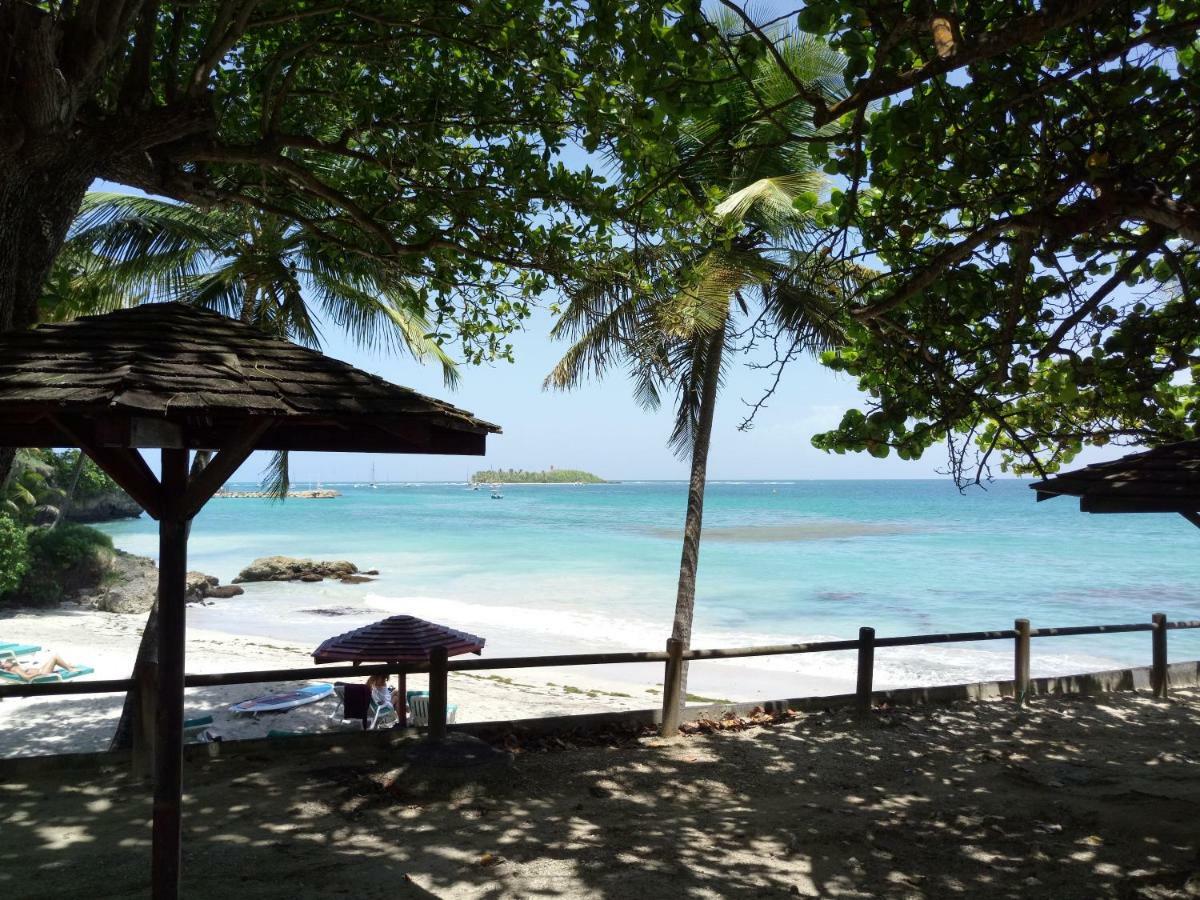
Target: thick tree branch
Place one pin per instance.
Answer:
(1026, 30)
(1151, 204)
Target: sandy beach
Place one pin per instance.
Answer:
(108, 643)
(1070, 798)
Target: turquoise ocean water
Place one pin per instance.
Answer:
(554, 568)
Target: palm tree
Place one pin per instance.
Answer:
(671, 314)
(262, 269)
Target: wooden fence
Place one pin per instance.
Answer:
(673, 658)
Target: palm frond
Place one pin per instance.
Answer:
(770, 201)
(276, 477)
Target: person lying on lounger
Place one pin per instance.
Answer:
(31, 672)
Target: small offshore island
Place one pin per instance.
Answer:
(549, 476)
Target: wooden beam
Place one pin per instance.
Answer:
(209, 480)
(124, 465)
(1139, 504)
(129, 470)
(168, 738)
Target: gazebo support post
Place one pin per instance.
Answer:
(172, 623)
(402, 699)
(438, 693)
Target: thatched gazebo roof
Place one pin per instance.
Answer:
(396, 639)
(159, 371)
(1163, 480)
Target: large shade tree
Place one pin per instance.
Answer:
(736, 267)
(426, 134)
(422, 132)
(1026, 177)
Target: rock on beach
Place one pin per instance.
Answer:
(287, 568)
(131, 586)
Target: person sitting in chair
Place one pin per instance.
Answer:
(381, 694)
(28, 673)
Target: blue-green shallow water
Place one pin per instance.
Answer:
(552, 568)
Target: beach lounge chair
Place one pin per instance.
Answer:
(60, 675)
(8, 651)
(420, 710)
(355, 702)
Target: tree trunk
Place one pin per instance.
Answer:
(37, 204)
(147, 654)
(64, 508)
(685, 597)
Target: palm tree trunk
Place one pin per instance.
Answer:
(685, 596)
(64, 508)
(249, 304)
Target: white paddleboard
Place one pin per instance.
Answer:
(277, 702)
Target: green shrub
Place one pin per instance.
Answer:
(93, 482)
(14, 555)
(62, 561)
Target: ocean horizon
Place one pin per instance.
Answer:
(591, 568)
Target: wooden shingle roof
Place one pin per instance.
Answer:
(1165, 479)
(157, 373)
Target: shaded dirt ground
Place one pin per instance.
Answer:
(1071, 798)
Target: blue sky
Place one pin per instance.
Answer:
(600, 428)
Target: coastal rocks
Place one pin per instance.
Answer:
(287, 568)
(131, 585)
(103, 507)
(45, 515)
(333, 611)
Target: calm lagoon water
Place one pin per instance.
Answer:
(553, 568)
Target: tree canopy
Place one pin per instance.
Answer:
(423, 133)
(1025, 178)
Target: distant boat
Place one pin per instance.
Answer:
(496, 495)
(374, 486)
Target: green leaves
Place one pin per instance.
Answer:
(732, 250)
(437, 138)
(1034, 296)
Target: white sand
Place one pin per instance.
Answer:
(108, 643)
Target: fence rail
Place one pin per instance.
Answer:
(866, 644)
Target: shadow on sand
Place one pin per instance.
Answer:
(1072, 798)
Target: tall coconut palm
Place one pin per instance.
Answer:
(264, 270)
(670, 314)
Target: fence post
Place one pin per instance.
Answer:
(672, 684)
(1158, 668)
(866, 670)
(1021, 659)
(438, 693)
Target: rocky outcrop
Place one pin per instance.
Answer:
(132, 584)
(287, 568)
(103, 508)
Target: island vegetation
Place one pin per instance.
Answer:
(548, 476)
(43, 554)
